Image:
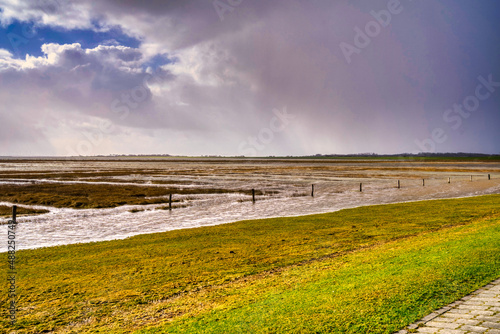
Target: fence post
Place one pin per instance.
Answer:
(170, 202)
(312, 190)
(14, 213)
(423, 182)
(471, 178)
(449, 180)
(399, 184)
(489, 177)
(253, 195)
(361, 187)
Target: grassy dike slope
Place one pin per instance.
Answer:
(369, 269)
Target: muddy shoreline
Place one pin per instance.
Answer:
(211, 192)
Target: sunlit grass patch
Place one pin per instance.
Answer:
(368, 269)
(376, 290)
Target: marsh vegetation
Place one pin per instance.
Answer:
(102, 199)
(380, 266)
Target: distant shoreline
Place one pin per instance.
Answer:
(456, 157)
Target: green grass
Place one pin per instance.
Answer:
(379, 290)
(369, 269)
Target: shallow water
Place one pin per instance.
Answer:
(286, 187)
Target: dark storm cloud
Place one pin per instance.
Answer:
(357, 75)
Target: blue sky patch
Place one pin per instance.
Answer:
(158, 60)
(21, 38)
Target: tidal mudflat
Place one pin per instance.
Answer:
(87, 200)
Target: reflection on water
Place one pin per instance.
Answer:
(285, 194)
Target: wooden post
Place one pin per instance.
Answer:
(361, 187)
(471, 178)
(489, 177)
(449, 180)
(170, 202)
(253, 195)
(423, 182)
(399, 184)
(14, 213)
(312, 190)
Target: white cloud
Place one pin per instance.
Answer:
(55, 13)
(5, 54)
(224, 78)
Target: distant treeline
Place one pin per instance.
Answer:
(422, 154)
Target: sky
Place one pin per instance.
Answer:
(249, 77)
